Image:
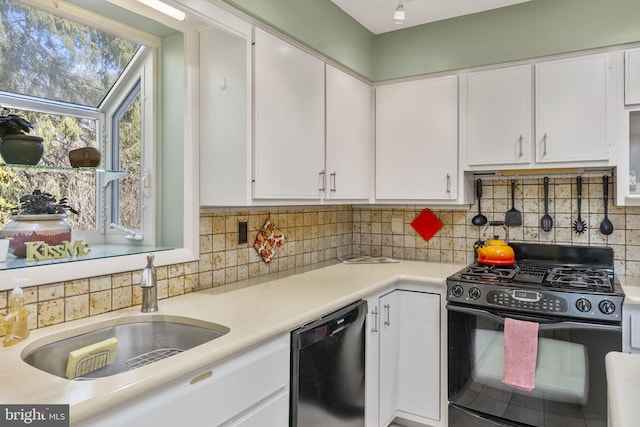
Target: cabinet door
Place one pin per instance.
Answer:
(252, 384)
(349, 146)
(631, 328)
(632, 77)
(416, 140)
(224, 143)
(389, 356)
(571, 109)
(409, 356)
(371, 360)
(418, 354)
(500, 114)
(288, 120)
(273, 412)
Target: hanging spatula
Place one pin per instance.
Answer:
(513, 216)
(546, 223)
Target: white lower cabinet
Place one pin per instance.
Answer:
(403, 358)
(274, 412)
(631, 328)
(249, 390)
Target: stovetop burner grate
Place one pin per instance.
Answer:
(590, 279)
(531, 273)
(570, 278)
(576, 282)
(489, 273)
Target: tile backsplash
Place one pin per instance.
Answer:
(317, 234)
(454, 242)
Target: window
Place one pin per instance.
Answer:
(80, 86)
(56, 59)
(127, 155)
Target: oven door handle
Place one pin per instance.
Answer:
(544, 322)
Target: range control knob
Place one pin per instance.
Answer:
(607, 307)
(457, 291)
(474, 293)
(583, 305)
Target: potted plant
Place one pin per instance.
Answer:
(16, 146)
(40, 217)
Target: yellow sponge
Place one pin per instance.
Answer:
(91, 358)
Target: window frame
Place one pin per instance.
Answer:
(141, 72)
(183, 56)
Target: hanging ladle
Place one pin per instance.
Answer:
(579, 225)
(479, 219)
(606, 227)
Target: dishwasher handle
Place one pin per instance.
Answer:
(329, 325)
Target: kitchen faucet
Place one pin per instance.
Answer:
(149, 287)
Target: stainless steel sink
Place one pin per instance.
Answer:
(142, 339)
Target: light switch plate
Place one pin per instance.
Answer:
(397, 226)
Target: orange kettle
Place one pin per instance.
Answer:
(496, 252)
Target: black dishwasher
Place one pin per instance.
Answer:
(327, 370)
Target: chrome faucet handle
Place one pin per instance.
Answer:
(148, 283)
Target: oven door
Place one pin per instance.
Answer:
(571, 388)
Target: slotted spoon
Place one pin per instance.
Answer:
(579, 225)
(546, 223)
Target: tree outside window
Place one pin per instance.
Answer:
(57, 74)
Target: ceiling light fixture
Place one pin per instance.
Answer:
(398, 15)
(165, 8)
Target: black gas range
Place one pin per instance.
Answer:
(572, 294)
(556, 280)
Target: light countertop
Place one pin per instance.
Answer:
(254, 310)
(631, 286)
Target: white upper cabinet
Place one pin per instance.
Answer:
(288, 149)
(500, 114)
(349, 145)
(278, 152)
(632, 77)
(417, 140)
(225, 120)
(569, 100)
(571, 110)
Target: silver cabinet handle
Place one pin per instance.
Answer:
(374, 315)
(520, 145)
(332, 182)
(321, 176)
(387, 311)
(544, 146)
(448, 183)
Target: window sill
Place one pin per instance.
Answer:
(97, 252)
(103, 260)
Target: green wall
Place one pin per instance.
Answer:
(170, 169)
(526, 30)
(319, 24)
